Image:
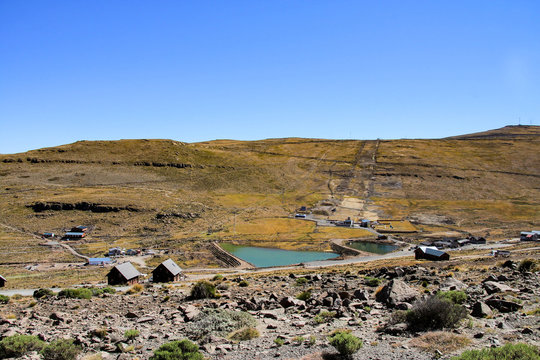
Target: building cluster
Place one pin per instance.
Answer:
(127, 274)
(77, 232)
(530, 235)
(454, 243)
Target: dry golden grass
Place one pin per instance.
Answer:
(445, 342)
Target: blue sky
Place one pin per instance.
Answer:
(203, 70)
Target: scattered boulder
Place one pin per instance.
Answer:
(481, 310)
(396, 291)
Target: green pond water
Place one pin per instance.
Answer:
(376, 248)
(264, 257)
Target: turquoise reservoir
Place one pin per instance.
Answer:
(376, 248)
(265, 257)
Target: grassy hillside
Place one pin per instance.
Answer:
(168, 194)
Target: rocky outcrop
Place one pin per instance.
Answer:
(82, 206)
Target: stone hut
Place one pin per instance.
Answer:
(167, 271)
(123, 274)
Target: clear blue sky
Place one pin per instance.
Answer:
(202, 70)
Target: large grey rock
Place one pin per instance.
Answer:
(452, 284)
(493, 287)
(396, 291)
(503, 306)
(481, 310)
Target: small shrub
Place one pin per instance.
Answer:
(109, 290)
(304, 295)
(301, 281)
(4, 299)
(204, 290)
(444, 341)
(41, 293)
(324, 317)
(178, 350)
(100, 332)
(312, 340)
(507, 352)
(137, 288)
(527, 265)
(279, 341)
(398, 316)
(76, 293)
(131, 334)
(455, 296)
(243, 283)
(435, 313)
(345, 343)
(372, 281)
(18, 345)
(16, 297)
(217, 277)
(219, 322)
(32, 304)
(244, 334)
(299, 339)
(61, 349)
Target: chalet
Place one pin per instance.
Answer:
(74, 235)
(123, 274)
(99, 261)
(167, 271)
(365, 223)
(463, 242)
(477, 240)
(80, 228)
(430, 253)
(529, 235)
(2, 281)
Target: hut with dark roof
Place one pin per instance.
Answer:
(123, 274)
(167, 271)
(430, 253)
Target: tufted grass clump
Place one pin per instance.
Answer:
(178, 350)
(61, 349)
(518, 351)
(304, 295)
(527, 265)
(42, 293)
(81, 293)
(204, 290)
(131, 334)
(345, 343)
(324, 317)
(244, 334)
(455, 296)
(4, 299)
(372, 281)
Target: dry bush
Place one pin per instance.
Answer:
(444, 341)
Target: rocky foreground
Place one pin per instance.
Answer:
(503, 304)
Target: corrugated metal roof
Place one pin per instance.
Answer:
(74, 233)
(99, 260)
(172, 267)
(431, 250)
(128, 270)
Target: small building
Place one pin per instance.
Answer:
(80, 228)
(74, 235)
(167, 271)
(2, 281)
(365, 223)
(463, 242)
(99, 261)
(477, 240)
(529, 236)
(500, 253)
(444, 244)
(48, 235)
(298, 215)
(115, 251)
(123, 274)
(132, 252)
(430, 253)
